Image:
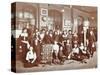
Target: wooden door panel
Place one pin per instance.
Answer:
(57, 18)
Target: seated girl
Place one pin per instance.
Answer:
(31, 55)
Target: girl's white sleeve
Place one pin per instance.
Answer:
(27, 58)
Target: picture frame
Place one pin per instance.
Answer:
(44, 11)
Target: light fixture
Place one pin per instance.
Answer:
(92, 18)
(70, 6)
(62, 10)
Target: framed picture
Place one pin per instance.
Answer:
(50, 40)
(44, 11)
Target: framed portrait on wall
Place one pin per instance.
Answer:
(44, 11)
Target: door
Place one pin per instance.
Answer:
(56, 19)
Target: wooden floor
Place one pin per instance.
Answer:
(68, 64)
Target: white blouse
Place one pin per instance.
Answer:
(76, 50)
(56, 48)
(82, 47)
(31, 55)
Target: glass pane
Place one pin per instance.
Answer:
(20, 15)
(26, 15)
(31, 16)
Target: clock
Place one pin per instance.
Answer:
(44, 18)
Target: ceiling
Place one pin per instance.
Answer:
(86, 9)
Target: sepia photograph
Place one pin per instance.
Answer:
(49, 37)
